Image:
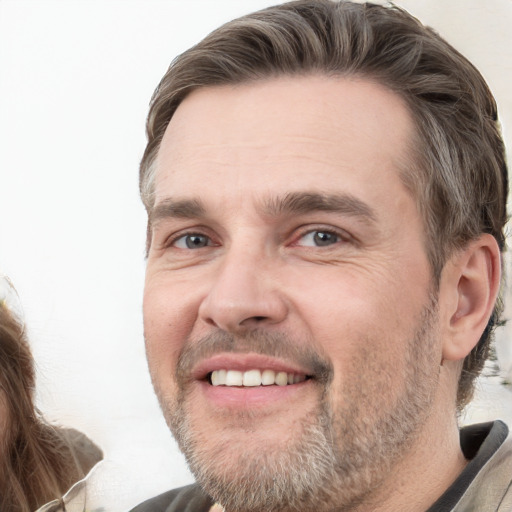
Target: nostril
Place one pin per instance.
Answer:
(259, 318)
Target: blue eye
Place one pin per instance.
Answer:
(192, 241)
(319, 238)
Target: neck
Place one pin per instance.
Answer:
(420, 479)
(426, 471)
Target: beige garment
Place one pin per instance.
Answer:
(73, 501)
(86, 455)
(491, 490)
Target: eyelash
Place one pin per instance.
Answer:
(340, 235)
(171, 241)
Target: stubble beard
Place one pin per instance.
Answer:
(337, 458)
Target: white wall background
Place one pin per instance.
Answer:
(75, 81)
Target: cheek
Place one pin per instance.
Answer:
(167, 325)
(349, 306)
(364, 324)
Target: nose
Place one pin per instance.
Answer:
(244, 295)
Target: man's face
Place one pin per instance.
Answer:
(288, 265)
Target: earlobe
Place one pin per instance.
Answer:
(470, 281)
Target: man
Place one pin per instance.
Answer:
(326, 186)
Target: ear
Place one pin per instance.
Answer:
(469, 286)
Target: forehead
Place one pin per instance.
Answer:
(285, 134)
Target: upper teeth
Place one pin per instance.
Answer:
(254, 378)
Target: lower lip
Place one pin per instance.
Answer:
(251, 397)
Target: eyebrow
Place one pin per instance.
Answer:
(292, 203)
(307, 202)
(178, 209)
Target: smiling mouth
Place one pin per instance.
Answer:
(254, 378)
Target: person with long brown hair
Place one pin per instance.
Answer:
(38, 462)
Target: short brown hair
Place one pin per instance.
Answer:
(459, 175)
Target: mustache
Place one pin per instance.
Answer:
(272, 344)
